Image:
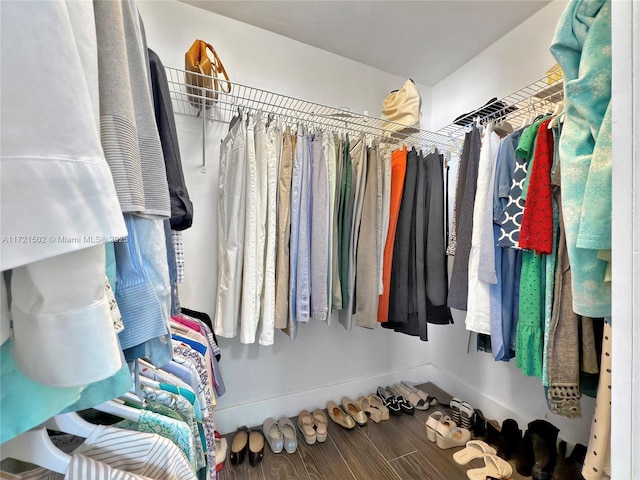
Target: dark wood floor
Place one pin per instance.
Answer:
(390, 450)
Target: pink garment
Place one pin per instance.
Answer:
(188, 323)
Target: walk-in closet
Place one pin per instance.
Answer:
(320, 240)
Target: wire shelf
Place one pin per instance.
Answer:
(538, 97)
(188, 100)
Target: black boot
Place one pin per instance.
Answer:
(479, 428)
(544, 436)
(525, 458)
(512, 439)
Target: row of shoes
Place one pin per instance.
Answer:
(536, 451)
(354, 412)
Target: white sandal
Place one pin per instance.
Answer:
(432, 424)
(451, 437)
(494, 467)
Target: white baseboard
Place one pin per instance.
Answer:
(229, 418)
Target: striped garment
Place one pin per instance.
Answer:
(80, 468)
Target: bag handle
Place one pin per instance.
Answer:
(218, 68)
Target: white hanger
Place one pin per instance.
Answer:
(119, 409)
(36, 447)
(71, 423)
(559, 110)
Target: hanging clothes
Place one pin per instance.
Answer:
(284, 230)
(231, 207)
(367, 256)
(478, 301)
(320, 233)
(458, 291)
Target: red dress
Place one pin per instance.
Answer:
(536, 231)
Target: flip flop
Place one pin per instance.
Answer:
(474, 449)
(494, 467)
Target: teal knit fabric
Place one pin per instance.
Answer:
(582, 47)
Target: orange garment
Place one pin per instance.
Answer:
(398, 170)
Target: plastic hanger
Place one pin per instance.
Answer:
(119, 409)
(36, 447)
(559, 110)
(71, 423)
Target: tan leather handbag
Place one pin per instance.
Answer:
(403, 107)
(197, 61)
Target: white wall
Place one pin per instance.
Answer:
(519, 58)
(325, 362)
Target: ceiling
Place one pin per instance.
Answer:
(423, 40)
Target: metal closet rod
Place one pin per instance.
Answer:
(290, 109)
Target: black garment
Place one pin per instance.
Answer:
(466, 199)
(181, 206)
(403, 273)
(436, 272)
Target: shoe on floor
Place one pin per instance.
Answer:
(273, 434)
(221, 451)
(363, 404)
(389, 401)
(375, 402)
(403, 403)
(337, 415)
(306, 424)
(432, 425)
(474, 449)
(288, 430)
(321, 424)
(239, 445)
(494, 467)
(416, 400)
(455, 404)
(352, 409)
(256, 447)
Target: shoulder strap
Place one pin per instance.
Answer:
(219, 68)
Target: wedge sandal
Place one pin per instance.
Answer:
(322, 423)
(306, 423)
(455, 404)
(432, 425)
